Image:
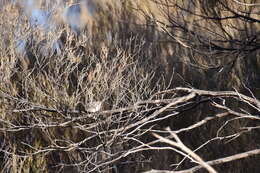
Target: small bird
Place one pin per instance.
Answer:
(93, 107)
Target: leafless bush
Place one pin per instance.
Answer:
(71, 104)
(100, 140)
(45, 98)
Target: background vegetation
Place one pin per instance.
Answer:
(143, 60)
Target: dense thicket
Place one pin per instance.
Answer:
(142, 60)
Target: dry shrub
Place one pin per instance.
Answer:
(124, 50)
(36, 73)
